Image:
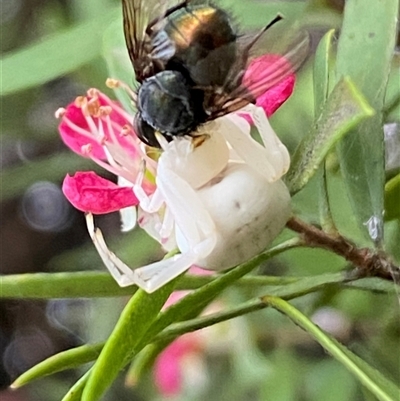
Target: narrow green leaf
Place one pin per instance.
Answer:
(144, 360)
(392, 198)
(74, 357)
(376, 382)
(15, 180)
(87, 353)
(69, 359)
(322, 71)
(198, 299)
(323, 65)
(75, 392)
(90, 284)
(365, 51)
(54, 56)
(179, 311)
(136, 318)
(193, 303)
(344, 109)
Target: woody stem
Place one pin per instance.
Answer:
(367, 261)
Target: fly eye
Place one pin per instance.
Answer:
(145, 132)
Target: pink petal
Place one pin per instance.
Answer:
(263, 67)
(167, 373)
(74, 139)
(167, 368)
(196, 270)
(74, 136)
(122, 121)
(174, 298)
(271, 100)
(89, 192)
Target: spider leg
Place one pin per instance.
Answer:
(121, 273)
(155, 275)
(197, 233)
(185, 205)
(148, 203)
(167, 224)
(277, 151)
(249, 150)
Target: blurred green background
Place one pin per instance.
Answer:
(55, 50)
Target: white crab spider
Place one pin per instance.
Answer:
(221, 204)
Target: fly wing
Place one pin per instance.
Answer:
(259, 70)
(140, 18)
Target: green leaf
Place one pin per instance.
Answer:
(198, 299)
(376, 382)
(79, 355)
(136, 318)
(91, 284)
(294, 290)
(193, 303)
(392, 198)
(144, 360)
(75, 392)
(54, 56)
(15, 180)
(344, 109)
(76, 356)
(86, 284)
(322, 70)
(69, 359)
(323, 65)
(365, 51)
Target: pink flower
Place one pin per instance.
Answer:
(96, 127)
(169, 366)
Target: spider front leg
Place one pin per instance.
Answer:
(271, 160)
(151, 206)
(195, 231)
(154, 276)
(121, 273)
(152, 203)
(278, 153)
